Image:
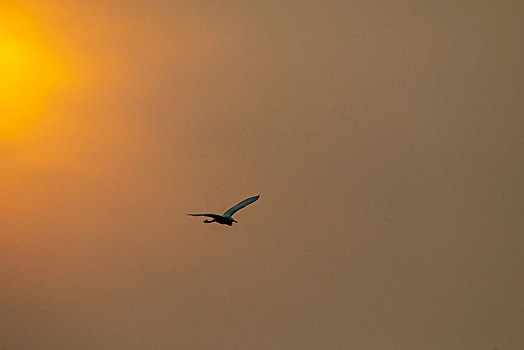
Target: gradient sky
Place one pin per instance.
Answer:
(386, 139)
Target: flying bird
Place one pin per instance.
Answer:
(226, 218)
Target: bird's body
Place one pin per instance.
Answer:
(227, 217)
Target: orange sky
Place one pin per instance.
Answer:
(385, 139)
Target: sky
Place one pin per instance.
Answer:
(385, 138)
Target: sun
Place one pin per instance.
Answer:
(31, 71)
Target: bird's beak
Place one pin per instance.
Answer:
(235, 221)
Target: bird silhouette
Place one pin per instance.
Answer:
(227, 217)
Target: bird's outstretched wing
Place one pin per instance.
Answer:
(214, 216)
(240, 205)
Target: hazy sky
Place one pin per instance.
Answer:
(386, 139)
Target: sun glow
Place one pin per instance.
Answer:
(31, 71)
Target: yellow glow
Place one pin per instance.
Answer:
(30, 71)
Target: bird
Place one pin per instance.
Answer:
(226, 218)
